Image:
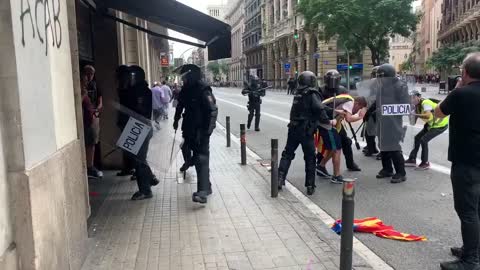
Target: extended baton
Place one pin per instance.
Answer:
(354, 136)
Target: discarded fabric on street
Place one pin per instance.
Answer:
(376, 226)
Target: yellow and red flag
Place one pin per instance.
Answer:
(376, 226)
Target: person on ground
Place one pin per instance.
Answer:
(464, 153)
(255, 94)
(197, 105)
(390, 127)
(126, 101)
(142, 106)
(306, 113)
(95, 97)
(432, 128)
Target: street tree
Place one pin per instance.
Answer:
(360, 24)
(224, 69)
(214, 68)
(451, 56)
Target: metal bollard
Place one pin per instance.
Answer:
(243, 144)
(228, 130)
(348, 209)
(274, 169)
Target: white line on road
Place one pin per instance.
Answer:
(361, 249)
(433, 166)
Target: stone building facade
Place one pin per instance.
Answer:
(285, 43)
(234, 17)
(460, 21)
(252, 36)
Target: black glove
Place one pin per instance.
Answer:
(175, 125)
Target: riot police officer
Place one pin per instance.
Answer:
(255, 94)
(198, 106)
(389, 127)
(142, 106)
(333, 88)
(370, 121)
(306, 114)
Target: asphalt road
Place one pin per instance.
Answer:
(423, 205)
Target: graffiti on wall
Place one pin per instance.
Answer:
(43, 16)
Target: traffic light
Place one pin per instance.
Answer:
(295, 34)
(350, 67)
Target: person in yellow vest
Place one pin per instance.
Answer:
(433, 128)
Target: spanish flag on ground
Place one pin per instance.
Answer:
(377, 227)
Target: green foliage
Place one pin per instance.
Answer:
(360, 24)
(448, 57)
(224, 68)
(214, 67)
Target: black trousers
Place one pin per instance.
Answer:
(253, 110)
(347, 148)
(371, 144)
(142, 169)
(200, 147)
(394, 158)
(466, 196)
(298, 136)
(128, 161)
(422, 139)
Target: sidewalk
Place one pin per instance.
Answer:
(240, 228)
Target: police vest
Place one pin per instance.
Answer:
(433, 122)
(301, 108)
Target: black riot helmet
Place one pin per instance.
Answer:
(307, 78)
(332, 79)
(254, 81)
(137, 75)
(191, 74)
(374, 72)
(386, 71)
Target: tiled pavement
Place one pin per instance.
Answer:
(240, 228)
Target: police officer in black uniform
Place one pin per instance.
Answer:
(390, 128)
(333, 88)
(255, 94)
(142, 107)
(306, 114)
(197, 106)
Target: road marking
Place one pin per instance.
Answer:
(436, 167)
(263, 113)
(361, 249)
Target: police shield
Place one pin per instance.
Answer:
(390, 97)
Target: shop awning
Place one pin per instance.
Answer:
(181, 18)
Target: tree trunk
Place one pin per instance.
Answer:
(375, 56)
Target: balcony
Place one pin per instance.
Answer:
(283, 28)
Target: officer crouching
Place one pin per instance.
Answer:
(306, 114)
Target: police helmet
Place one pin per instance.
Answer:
(307, 78)
(137, 75)
(386, 71)
(190, 74)
(374, 72)
(332, 79)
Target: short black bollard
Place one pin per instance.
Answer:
(228, 130)
(274, 169)
(348, 209)
(243, 144)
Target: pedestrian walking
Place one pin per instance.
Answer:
(197, 106)
(432, 128)
(306, 114)
(464, 153)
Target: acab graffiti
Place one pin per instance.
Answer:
(31, 12)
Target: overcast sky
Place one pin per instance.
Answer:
(201, 5)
